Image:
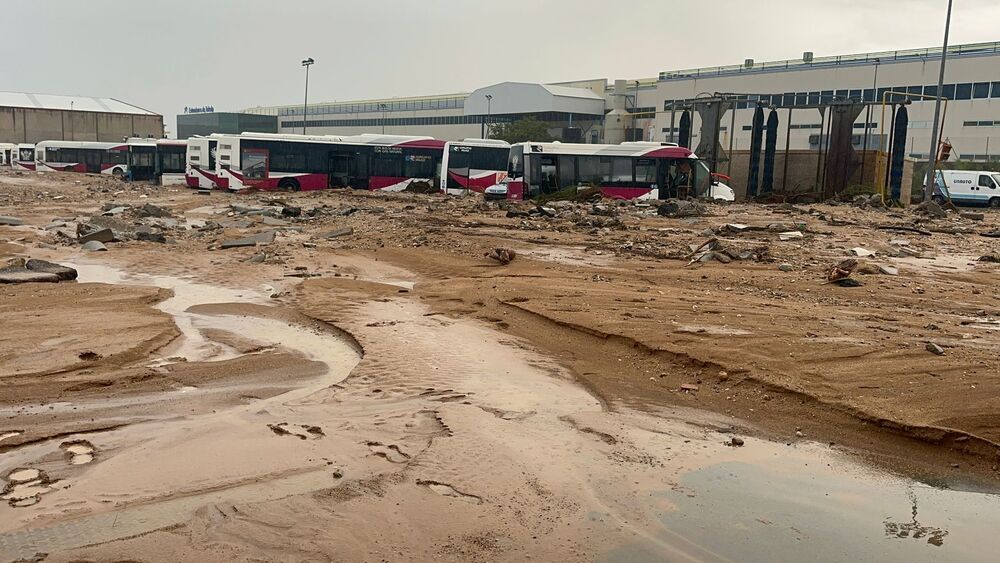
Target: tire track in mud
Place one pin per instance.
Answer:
(601, 344)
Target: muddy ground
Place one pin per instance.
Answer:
(370, 385)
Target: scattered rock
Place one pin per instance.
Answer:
(681, 208)
(786, 267)
(735, 442)
(150, 210)
(100, 235)
(935, 349)
(147, 235)
(94, 246)
(502, 255)
(23, 275)
(291, 211)
(972, 216)
(10, 221)
(842, 270)
(862, 252)
(932, 209)
(267, 237)
(689, 387)
(64, 272)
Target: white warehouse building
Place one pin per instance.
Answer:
(600, 110)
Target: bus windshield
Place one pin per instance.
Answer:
(996, 178)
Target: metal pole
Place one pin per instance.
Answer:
(673, 115)
(305, 102)
(732, 134)
(819, 145)
(868, 119)
(935, 131)
(489, 115)
(635, 110)
(788, 144)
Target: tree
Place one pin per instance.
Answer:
(527, 129)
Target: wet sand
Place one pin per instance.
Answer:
(413, 401)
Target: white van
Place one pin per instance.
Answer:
(968, 187)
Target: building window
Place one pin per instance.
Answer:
(996, 90)
(981, 90)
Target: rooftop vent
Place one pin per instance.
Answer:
(748, 63)
(807, 57)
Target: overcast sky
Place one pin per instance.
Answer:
(165, 55)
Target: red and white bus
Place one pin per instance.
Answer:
(297, 162)
(473, 165)
(82, 156)
(633, 170)
(24, 157)
(199, 168)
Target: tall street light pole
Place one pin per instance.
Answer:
(935, 130)
(305, 102)
(383, 107)
(489, 115)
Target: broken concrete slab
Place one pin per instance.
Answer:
(10, 221)
(888, 270)
(100, 235)
(274, 222)
(862, 252)
(23, 275)
(972, 216)
(267, 237)
(94, 246)
(44, 266)
(150, 210)
(790, 235)
(341, 232)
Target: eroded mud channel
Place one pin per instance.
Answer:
(444, 439)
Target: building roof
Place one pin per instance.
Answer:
(527, 97)
(69, 103)
(879, 57)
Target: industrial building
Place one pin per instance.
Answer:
(648, 108)
(30, 118)
(206, 123)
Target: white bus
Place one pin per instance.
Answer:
(299, 162)
(473, 165)
(633, 170)
(82, 156)
(199, 168)
(24, 158)
(141, 159)
(170, 162)
(8, 151)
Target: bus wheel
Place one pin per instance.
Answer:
(995, 202)
(289, 185)
(118, 173)
(938, 200)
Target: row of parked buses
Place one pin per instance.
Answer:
(643, 170)
(158, 160)
(389, 162)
